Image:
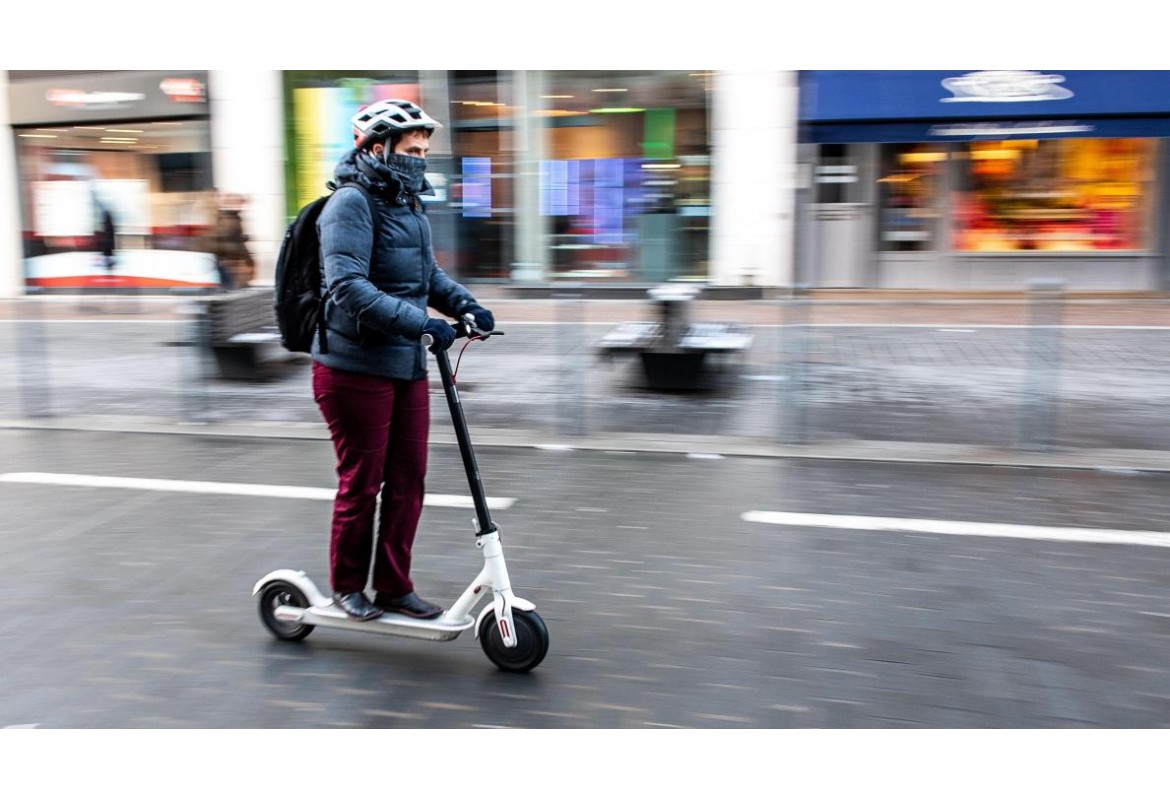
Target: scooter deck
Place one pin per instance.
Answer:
(440, 629)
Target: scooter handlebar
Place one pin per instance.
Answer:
(464, 328)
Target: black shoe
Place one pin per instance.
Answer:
(357, 606)
(409, 604)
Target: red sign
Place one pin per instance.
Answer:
(183, 90)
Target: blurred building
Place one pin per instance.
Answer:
(975, 180)
(151, 150)
(842, 179)
(606, 176)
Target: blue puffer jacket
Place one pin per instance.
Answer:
(374, 312)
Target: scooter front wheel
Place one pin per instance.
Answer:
(272, 597)
(531, 641)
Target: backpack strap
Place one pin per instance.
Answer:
(373, 215)
(333, 187)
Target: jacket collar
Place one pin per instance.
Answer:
(358, 166)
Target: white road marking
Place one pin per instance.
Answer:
(600, 323)
(957, 528)
(215, 487)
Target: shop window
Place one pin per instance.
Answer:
(626, 185)
(625, 177)
(143, 189)
(1055, 195)
(908, 196)
(482, 186)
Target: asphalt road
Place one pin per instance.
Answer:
(131, 608)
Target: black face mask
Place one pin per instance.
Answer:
(409, 170)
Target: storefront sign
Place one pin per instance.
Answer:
(1101, 127)
(107, 96)
(1008, 129)
(1005, 86)
(92, 101)
(184, 90)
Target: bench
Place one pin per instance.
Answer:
(675, 353)
(239, 328)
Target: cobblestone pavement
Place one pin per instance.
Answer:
(989, 384)
(666, 609)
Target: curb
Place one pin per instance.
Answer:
(1101, 460)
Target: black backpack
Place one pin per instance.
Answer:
(298, 301)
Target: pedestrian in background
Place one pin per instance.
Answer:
(107, 240)
(230, 244)
(370, 376)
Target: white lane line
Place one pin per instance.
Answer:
(214, 487)
(956, 528)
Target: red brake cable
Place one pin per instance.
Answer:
(470, 339)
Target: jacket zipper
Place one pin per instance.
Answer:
(416, 210)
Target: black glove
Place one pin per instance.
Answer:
(441, 332)
(483, 318)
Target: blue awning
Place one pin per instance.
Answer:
(907, 95)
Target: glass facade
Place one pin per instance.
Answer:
(152, 179)
(483, 194)
(623, 184)
(627, 182)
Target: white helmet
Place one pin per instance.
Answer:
(387, 116)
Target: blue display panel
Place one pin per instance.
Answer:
(477, 187)
(596, 194)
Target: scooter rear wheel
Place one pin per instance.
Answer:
(272, 597)
(531, 641)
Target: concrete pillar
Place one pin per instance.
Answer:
(11, 251)
(247, 154)
(531, 260)
(753, 181)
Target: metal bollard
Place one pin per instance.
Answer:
(571, 400)
(1041, 391)
(32, 354)
(794, 346)
(193, 369)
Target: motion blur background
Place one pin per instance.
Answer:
(951, 180)
(966, 257)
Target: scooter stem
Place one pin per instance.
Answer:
(459, 421)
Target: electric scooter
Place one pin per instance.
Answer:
(511, 633)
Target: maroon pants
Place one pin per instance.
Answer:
(379, 429)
